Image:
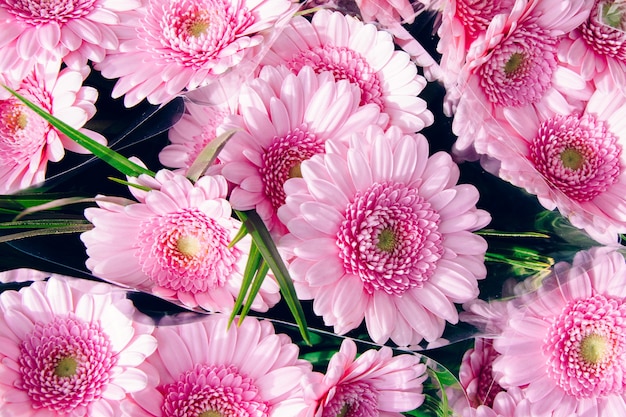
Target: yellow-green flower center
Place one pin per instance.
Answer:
(572, 159)
(344, 410)
(613, 14)
(515, 61)
(295, 171)
(188, 245)
(210, 413)
(593, 348)
(387, 240)
(199, 26)
(66, 367)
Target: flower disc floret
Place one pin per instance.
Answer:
(586, 344)
(520, 69)
(389, 238)
(358, 399)
(579, 155)
(186, 251)
(213, 391)
(65, 363)
(605, 30)
(33, 12)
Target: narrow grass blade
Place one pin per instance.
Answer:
(265, 244)
(254, 260)
(46, 232)
(207, 156)
(261, 272)
(54, 204)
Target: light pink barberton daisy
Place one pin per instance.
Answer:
(462, 21)
(598, 46)
(566, 345)
(388, 11)
(174, 243)
(208, 369)
(191, 134)
(27, 141)
(75, 31)
(514, 64)
(381, 231)
(69, 348)
(284, 119)
(174, 45)
(373, 384)
(572, 161)
(22, 275)
(361, 54)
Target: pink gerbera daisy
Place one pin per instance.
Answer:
(461, 23)
(174, 243)
(28, 142)
(572, 162)
(598, 46)
(172, 45)
(192, 133)
(208, 369)
(359, 53)
(514, 64)
(69, 348)
(284, 119)
(72, 30)
(374, 384)
(566, 345)
(381, 231)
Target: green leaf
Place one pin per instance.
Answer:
(265, 244)
(60, 202)
(46, 232)
(240, 235)
(43, 223)
(497, 233)
(207, 156)
(261, 273)
(254, 260)
(109, 156)
(130, 184)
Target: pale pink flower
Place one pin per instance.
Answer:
(284, 119)
(388, 11)
(462, 21)
(382, 232)
(598, 46)
(28, 142)
(206, 368)
(361, 54)
(70, 348)
(514, 64)
(191, 134)
(565, 347)
(374, 384)
(173, 45)
(174, 243)
(570, 161)
(72, 30)
(22, 275)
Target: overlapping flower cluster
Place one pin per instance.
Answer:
(328, 147)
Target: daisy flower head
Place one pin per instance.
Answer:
(360, 53)
(389, 12)
(176, 45)
(206, 368)
(283, 119)
(174, 243)
(27, 141)
(381, 231)
(72, 30)
(374, 384)
(191, 134)
(598, 46)
(70, 347)
(572, 162)
(565, 346)
(462, 21)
